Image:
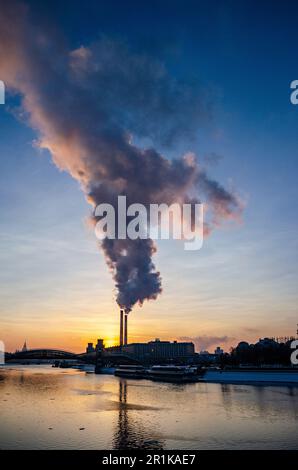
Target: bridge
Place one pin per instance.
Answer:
(107, 358)
(42, 354)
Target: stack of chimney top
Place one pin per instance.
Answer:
(123, 328)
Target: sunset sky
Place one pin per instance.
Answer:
(55, 287)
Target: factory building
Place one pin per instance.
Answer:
(90, 348)
(153, 351)
(99, 347)
(163, 350)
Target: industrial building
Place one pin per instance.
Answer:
(153, 351)
(99, 347)
(159, 350)
(163, 351)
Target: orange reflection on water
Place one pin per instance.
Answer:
(47, 408)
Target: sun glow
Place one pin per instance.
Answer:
(111, 341)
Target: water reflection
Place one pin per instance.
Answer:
(130, 433)
(47, 408)
(259, 401)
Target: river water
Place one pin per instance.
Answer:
(46, 408)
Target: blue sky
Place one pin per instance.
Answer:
(55, 286)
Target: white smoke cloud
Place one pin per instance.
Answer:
(87, 106)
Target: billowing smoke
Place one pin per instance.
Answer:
(89, 107)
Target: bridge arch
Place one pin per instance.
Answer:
(44, 354)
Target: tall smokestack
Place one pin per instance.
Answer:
(121, 327)
(125, 328)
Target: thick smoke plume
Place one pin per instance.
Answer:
(89, 106)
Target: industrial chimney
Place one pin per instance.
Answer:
(125, 328)
(121, 327)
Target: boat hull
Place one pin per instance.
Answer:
(129, 375)
(252, 377)
(173, 378)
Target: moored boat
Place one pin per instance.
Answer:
(253, 375)
(173, 373)
(132, 371)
